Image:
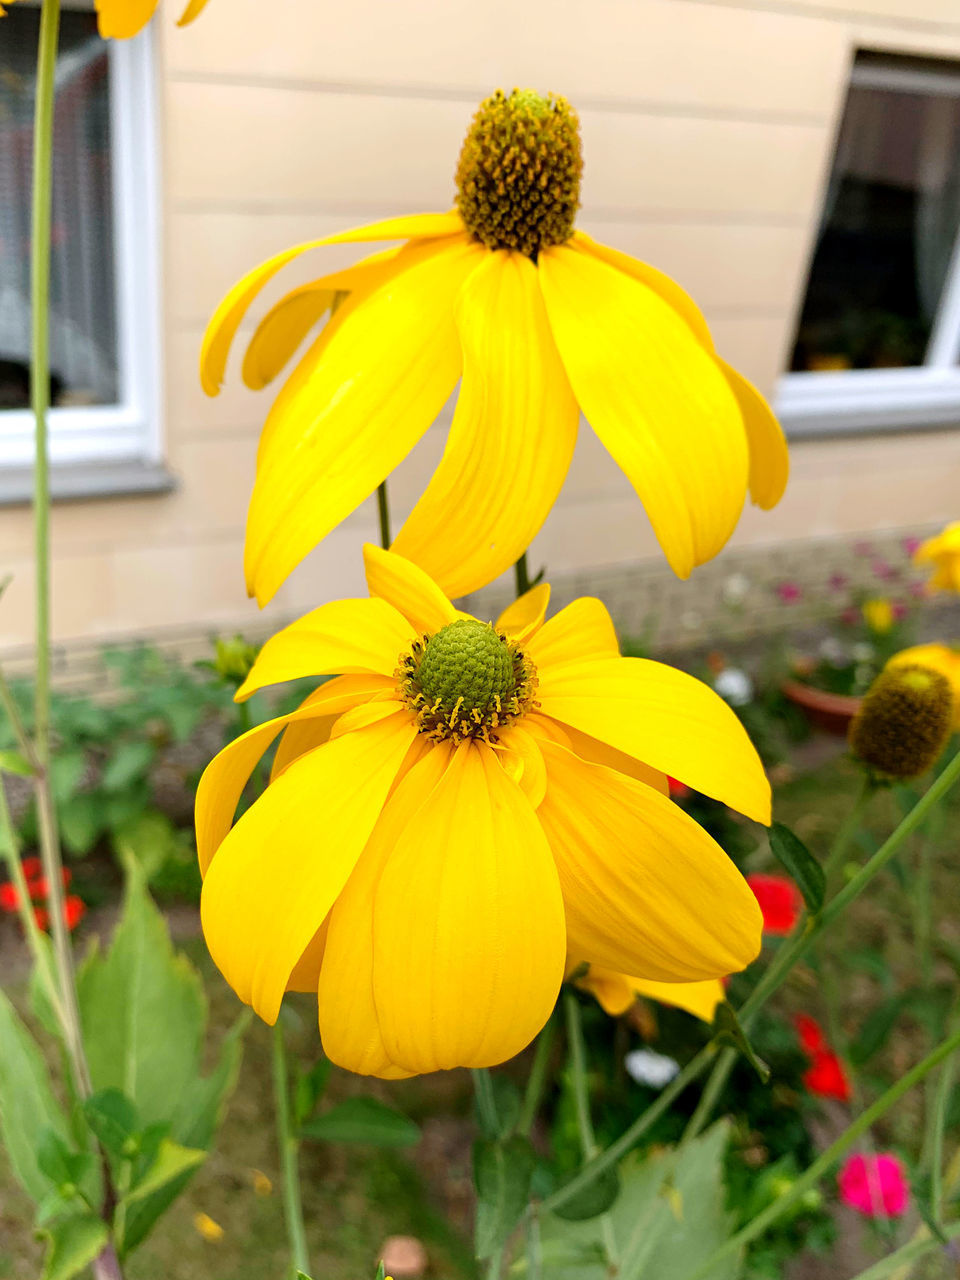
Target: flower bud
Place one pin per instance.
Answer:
(904, 722)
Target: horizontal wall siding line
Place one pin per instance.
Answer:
(862, 17)
(439, 93)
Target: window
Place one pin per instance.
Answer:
(878, 340)
(104, 353)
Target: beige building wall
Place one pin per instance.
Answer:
(708, 131)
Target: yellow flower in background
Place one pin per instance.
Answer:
(120, 19)
(617, 992)
(205, 1226)
(941, 657)
(943, 553)
(878, 615)
(456, 807)
(540, 323)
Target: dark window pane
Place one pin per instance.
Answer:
(83, 338)
(888, 229)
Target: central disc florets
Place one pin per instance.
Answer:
(518, 180)
(466, 681)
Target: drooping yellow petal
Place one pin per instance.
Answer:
(193, 10)
(225, 777)
(468, 915)
(769, 455)
(512, 436)
(584, 629)
(699, 998)
(306, 972)
(667, 719)
(345, 636)
(349, 1027)
(279, 870)
(342, 423)
(646, 890)
(228, 317)
(655, 397)
(526, 614)
(408, 588)
(121, 19)
(596, 752)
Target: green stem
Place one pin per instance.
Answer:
(486, 1102)
(24, 741)
(289, 1162)
(848, 829)
(936, 1129)
(712, 1090)
(536, 1081)
(534, 1248)
(41, 954)
(383, 514)
(495, 1265)
(824, 1162)
(522, 575)
(907, 1255)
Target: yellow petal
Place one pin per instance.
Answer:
(656, 399)
(121, 19)
(306, 972)
(349, 1027)
(512, 436)
(665, 718)
(769, 455)
(193, 10)
(342, 423)
(468, 916)
(699, 998)
(646, 890)
(584, 629)
(225, 777)
(279, 870)
(229, 314)
(613, 991)
(411, 591)
(523, 761)
(596, 752)
(525, 615)
(345, 636)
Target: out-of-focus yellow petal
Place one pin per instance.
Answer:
(614, 992)
(512, 436)
(943, 552)
(584, 629)
(342, 423)
(193, 10)
(699, 998)
(769, 455)
(468, 916)
(526, 614)
(279, 870)
(940, 657)
(121, 19)
(349, 1027)
(655, 397)
(225, 777)
(665, 718)
(346, 636)
(229, 314)
(408, 588)
(596, 752)
(646, 890)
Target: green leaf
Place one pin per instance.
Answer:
(130, 761)
(797, 859)
(67, 771)
(502, 1172)
(875, 1030)
(309, 1089)
(40, 1003)
(73, 1245)
(506, 1106)
(82, 820)
(172, 1161)
(65, 1167)
(381, 1272)
(727, 1030)
(113, 1119)
(27, 1105)
(14, 762)
(363, 1120)
(596, 1197)
(150, 838)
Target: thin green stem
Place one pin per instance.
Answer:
(936, 1130)
(534, 1247)
(289, 1147)
(486, 1101)
(24, 741)
(495, 1265)
(41, 954)
(848, 829)
(536, 1081)
(907, 1255)
(824, 1162)
(522, 575)
(712, 1090)
(383, 515)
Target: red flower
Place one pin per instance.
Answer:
(780, 902)
(40, 888)
(32, 867)
(9, 900)
(825, 1076)
(42, 917)
(875, 1186)
(74, 909)
(789, 592)
(812, 1039)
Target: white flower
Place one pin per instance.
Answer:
(832, 651)
(863, 652)
(736, 588)
(652, 1069)
(734, 686)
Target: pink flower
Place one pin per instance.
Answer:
(881, 569)
(910, 545)
(838, 581)
(875, 1186)
(863, 548)
(789, 592)
(900, 611)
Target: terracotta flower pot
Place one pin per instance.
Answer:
(829, 711)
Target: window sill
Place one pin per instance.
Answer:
(79, 482)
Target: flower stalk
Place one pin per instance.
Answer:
(289, 1146)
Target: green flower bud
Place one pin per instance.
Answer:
(903, 723)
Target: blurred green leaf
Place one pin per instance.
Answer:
(170, 1163)
(67, 770)
(800, 863)
(62, 1165)
(363, 1120)
(113, 1119)
(727, 1030)
(875, 1030)
(82, 819)
(309, 1089)
(14, 762)
(129, 761)
(73, 1244)
(502, 1172)
(595, 1198)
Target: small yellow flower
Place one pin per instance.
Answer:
(943, 552)
(206, 1227)
(440, 827)
(262, 1185)
(120, 19)
(941, 657)
(540, 323)
(878, 615)
(616, 992)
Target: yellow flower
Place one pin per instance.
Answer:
(120, 19)
(205, 1226)
(540, 322)
(943, 552)
(455, 807)
(941, 657)
(616, 992)
(878, 615)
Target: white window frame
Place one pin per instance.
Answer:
(130, 429)
(857, 400)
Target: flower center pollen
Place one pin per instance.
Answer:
(466, 681)
(518, 179)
